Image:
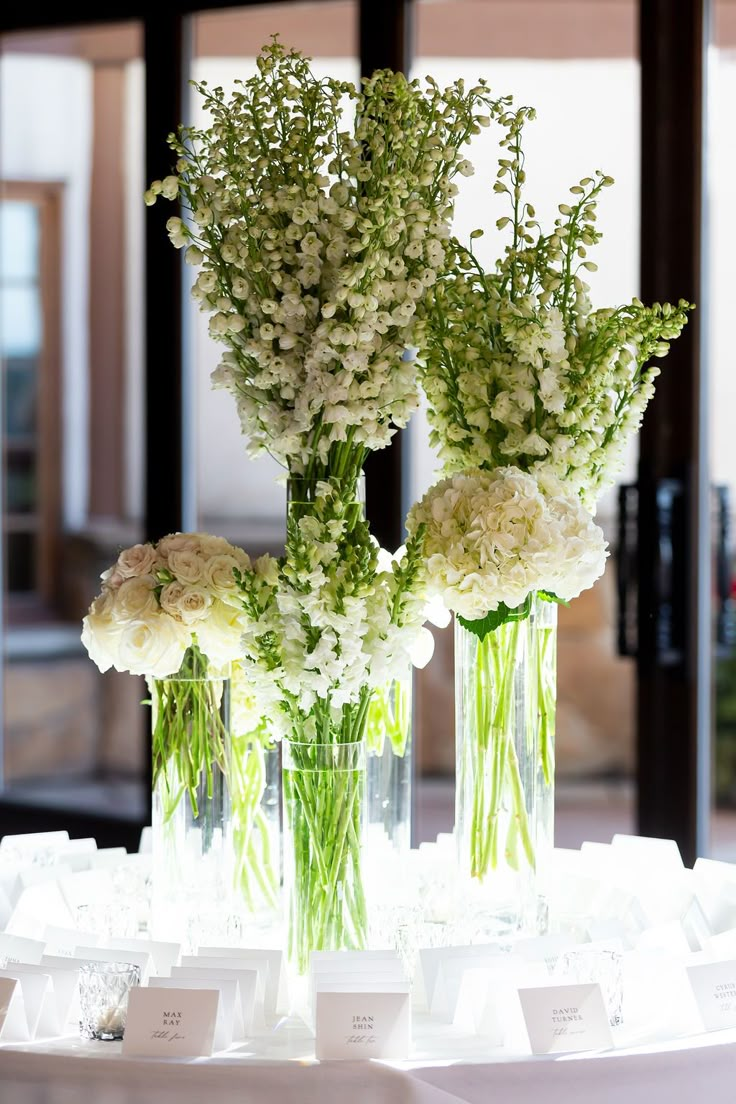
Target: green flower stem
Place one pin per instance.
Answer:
(255, 873)
(389, 715)
(491, 755)
(546, 699)
(190, 734)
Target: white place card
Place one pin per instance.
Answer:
(170, 1023)
(31, 843)
(488, 1003)
(107, 858)
(6, 908)
(86, 887)
(164, 955)
(362, 1025)
(659, 854)
(145, 844)
(714, 989)
(431, 958)
(63, 941)
(449, 978)
(34, 989)
(58, 997)
(13, 1021)
(227, 1020)
(275, 996)
(16, 948)
(141, 959)
(563, 1018)
(250, 1009)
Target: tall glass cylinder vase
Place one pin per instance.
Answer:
(389, 769)
(193, 858)
(505, 705)
(256, 817)
(323, 790)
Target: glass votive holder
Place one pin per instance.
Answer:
(103, 998)
(108, 918)
(596, 965)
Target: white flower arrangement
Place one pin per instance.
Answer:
(520, 370)
(318, 238)
(328, 623)
(158, 600)
(493, 539)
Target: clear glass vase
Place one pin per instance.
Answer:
(193, 872)
(255, 778)
(504, 806)
(255, 796)
(389, 769)
(323, 793)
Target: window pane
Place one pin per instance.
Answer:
(18, 241)
(71, 166)
(20, 320)
(575, 62)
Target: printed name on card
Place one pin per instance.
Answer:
(228, 1012)
(362, 1025)
(170, 1023)
(714, 989)
(562, 1018)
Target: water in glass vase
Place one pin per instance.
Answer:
(505, 708)
(193, 857)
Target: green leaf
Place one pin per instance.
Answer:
(547, 596)
(482, 626)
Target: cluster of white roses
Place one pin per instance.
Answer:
(497, 537)
(158, 600)
(329, 622)
(519, 368)
(318, 239)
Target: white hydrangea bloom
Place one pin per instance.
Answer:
(496, 537)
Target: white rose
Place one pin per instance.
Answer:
(184, 603)
(186, 566)
(219, 576)
(219, 634)
(138, 560)
(153, 647)
(178, 542)
(101, 632)
(135, 598)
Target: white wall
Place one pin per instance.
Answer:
(45, 135)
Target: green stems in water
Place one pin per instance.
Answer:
(190, 733)
(323, 787)
(507, 699)
(256, 871)
(389, 717)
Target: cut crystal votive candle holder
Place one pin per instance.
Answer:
(581, 965)
(103, 998)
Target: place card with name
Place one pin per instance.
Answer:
(16, 948)
(562, 1018)
(714, 989)
(225, 1025)
(64, 941)
(170, 1023)
(362, 1025)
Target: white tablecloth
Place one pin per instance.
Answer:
(699, 1070)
